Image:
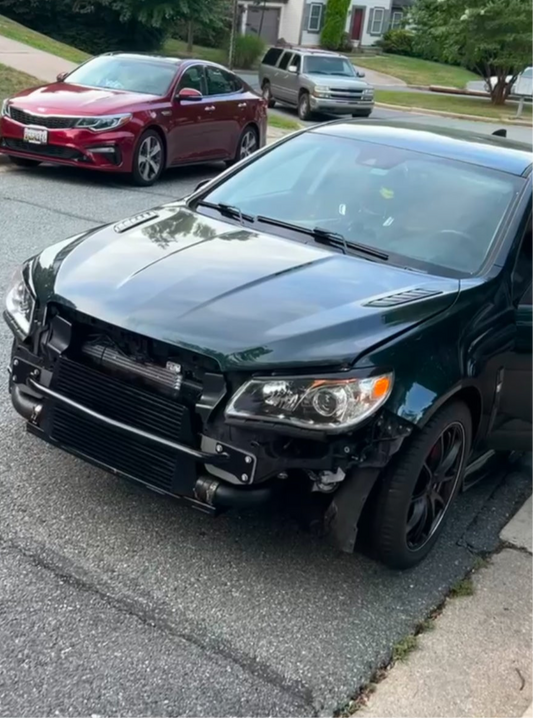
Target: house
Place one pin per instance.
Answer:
(299, 22)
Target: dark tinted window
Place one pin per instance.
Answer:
(296, 61)
(284, 62)
(193, 78)
(218, 81)
(272, 56)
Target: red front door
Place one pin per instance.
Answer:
(357, 22)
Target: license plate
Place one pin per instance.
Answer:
(35, 135)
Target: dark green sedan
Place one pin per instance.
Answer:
(341, 322)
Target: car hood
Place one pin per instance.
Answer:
(345, 83)
(245, 298)
(61, 97)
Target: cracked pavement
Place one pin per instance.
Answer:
(117, 601)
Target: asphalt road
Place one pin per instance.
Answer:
(116, 601)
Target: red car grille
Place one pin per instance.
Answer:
(52, 123)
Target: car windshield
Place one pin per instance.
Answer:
(426, 212)
(324, 65)
(116, 72)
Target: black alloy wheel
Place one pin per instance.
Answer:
(416, 493)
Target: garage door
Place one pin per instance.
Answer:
(266, 25)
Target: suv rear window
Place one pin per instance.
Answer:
(272, 56)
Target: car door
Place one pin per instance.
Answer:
(280, 82)
(292, 82)
(227, 109)
(512, 424)
(188, 123)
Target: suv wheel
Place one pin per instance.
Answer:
(304, 106)
(415, 496)
(267, 94)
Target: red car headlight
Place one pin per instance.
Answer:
(106, 122)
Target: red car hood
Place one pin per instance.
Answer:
(63, 98)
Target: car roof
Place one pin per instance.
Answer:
(164, 59)
(488, 151)
(307, 50)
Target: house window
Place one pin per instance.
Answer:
(396, 19)
(315, 17)
(376, 23)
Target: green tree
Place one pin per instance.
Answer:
(334, 24)
(493, 37)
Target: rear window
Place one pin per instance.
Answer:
(272, 56)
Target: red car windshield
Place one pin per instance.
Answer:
(116, 72)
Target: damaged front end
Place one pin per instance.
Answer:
(170, 419)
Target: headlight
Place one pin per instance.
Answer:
(20, 302)
(6, 110)
(323, 404)
(321, 91)
(368, 94)
(99, 124)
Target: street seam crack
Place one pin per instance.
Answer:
(71, 574)
(52, 209)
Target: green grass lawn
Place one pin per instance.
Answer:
(178, 48)
(416, 72)
(448, 103)
(12, 81)
(283, 123)
(14, 31)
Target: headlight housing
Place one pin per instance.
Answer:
(368, 94)
(100, 124)
(334, 405)
(5, 111)
(20, 303)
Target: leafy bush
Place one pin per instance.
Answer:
(97, 29)
(398, 42)
(334, 23)
(248, 49)
(346, 43)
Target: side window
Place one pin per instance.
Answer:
(272, 56)
(285, 61)
(218, 81)
(314, 23)
(523, 268)
(234, 81)
(193, 78)
(297, 62)
(375, 24)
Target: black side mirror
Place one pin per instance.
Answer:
(360, 74)
(61, 76)
(200, 185)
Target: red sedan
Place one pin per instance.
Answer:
(136, 114)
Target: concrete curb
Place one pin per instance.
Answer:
(456, 115)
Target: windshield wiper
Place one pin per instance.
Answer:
(227, 210)
(326, 236)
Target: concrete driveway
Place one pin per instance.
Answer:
(117, 601)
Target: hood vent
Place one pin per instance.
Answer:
(394, 300)
(134, 221)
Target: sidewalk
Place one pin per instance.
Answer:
(37, 63)
(477, 662)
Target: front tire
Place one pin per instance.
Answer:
(23, 162)
(148, 159)
(415, 496)
(304, 107)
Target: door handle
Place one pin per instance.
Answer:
(242, 104)
(211, 108)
